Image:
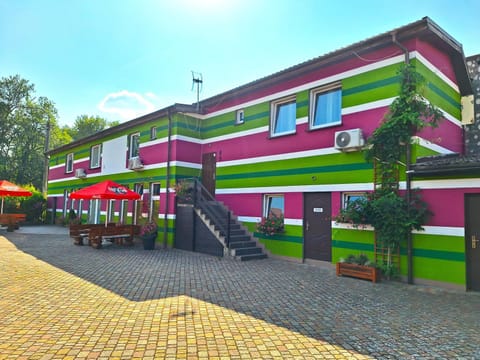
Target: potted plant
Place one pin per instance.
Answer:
(359, 267)
(184, 192)
(148, 234)
(271, 225)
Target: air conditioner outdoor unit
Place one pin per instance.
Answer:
(349, 140)
(80, 173)
(135, 163)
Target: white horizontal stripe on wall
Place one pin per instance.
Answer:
(299, 188)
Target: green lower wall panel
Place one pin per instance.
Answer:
(282, 248)
(435, 257)
(351, 241)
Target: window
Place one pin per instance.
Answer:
(350, 197)
(134, 145)
(154, 200)
(138, 188)
(326, 107)
(95, 152)
(273, 205)
(283, 117)
(239, 117)
(153, 133)
(155, 189)
(69, 163)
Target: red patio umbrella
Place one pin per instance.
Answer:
(9, 189)
(105, 190)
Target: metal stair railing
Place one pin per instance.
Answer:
(203, 199)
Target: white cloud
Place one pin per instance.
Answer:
(128, 105)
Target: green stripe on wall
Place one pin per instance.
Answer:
(283, 238)
(297, 171)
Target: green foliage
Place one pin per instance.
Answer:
(34, 207)
(389, 213)
(408, 114)
(88, 125)
(360, 259)
(271, 225)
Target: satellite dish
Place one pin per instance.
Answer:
(343, 139)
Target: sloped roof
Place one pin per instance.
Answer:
(450, 164)
(424, 28)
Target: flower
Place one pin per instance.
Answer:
(149, 228)
(271, 225)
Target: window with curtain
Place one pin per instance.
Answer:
(283, 117)
(134, 145)
(95, 156)
(326, 107)
(69, 163)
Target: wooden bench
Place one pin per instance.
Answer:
(12, 219)
(79, 232)
(120, 234)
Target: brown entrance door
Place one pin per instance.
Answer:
(317, 226)
(472, 240)
(209, 167)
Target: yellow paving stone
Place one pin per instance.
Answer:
(84, 321)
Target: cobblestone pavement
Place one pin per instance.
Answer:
(60, 301)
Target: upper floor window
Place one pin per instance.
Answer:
(69, 163)
(95, 153)
(134, 149)
(326, 106)
(283, 116)
(153, 132)
(239, 117)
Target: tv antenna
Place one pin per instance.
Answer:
(197, 81)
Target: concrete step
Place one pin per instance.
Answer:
(247, 251)
(242, 244)
(252, 257)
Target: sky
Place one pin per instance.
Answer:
(120, 59)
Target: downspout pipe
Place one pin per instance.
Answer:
(167, 183)
(408, 173)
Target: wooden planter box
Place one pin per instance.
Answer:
(358, 271)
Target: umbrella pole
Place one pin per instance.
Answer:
(2, 206)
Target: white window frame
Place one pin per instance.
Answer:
(347, 197)
(95, 160)
(274, 109)
(153, 196)
(69, 163)
(314, 93)
(133, 149)
(267, 204)
(153, 133)
(239, 117)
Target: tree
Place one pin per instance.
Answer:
(23, 124)
(88, 125)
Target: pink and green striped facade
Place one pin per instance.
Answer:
(251, 163)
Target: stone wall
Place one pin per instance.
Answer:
(472, 132)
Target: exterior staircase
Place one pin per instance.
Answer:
(235, 238)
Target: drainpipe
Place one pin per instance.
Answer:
(408, 173)
(167, 183)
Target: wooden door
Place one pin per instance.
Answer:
(209, 169)
(317, 226)
(472, 240)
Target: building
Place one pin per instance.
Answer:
(291, 143)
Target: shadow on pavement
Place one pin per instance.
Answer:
(355, 314)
